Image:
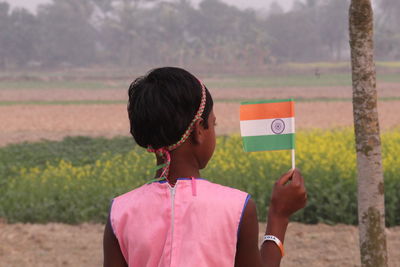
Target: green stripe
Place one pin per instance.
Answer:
(266, 101)
(268, 142)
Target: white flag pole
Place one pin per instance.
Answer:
(293, 159)
(293, 150)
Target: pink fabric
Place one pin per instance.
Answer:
(201, 229)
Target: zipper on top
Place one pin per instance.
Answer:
(172, 190)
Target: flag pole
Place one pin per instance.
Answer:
(293, 150)
(293, 160)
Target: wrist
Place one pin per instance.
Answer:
(276, 240)
(276, 225)
(275, 216)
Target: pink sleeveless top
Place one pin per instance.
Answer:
(195, 223)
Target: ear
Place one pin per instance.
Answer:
(198, 132)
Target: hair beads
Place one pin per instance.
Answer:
(164, 151)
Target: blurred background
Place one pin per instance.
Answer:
(65, 149)
(209, 35)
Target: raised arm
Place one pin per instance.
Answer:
(288, 196)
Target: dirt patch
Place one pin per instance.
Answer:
(330, 246)
(62, 95)
(53, 122)
(384, 90)
(50, 245)
(21, 123)
(65, 245)
(35, 122)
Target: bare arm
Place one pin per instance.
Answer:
(286, 199)
(112, 253)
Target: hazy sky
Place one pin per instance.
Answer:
(257, 4)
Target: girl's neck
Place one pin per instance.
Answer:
(172, 179)
(181, 166)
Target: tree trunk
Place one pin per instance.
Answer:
(371, 207)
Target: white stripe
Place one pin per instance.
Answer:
(293, 126)
(264, 127)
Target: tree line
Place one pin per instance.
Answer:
(155, 32)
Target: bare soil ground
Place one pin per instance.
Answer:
(21, 123)
(65, 245)
(384, 90)
(61, 94)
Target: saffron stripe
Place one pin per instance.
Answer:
(267, 110)
(269, 142)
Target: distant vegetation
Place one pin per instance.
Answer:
(213, 35)
(73, 181)
(304, 79)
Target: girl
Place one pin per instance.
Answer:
(180, 219)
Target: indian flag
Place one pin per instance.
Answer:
(267, 125)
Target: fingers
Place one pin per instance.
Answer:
(289, 193)
(298, 182)
(294, 175)
(297, 179)
(285, 178)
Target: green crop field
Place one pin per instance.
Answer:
(308, 79)
(74, 180)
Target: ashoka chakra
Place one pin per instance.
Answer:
(277, 126)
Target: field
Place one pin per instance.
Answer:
(93, 109)
(53, 108)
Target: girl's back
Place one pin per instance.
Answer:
(194, 223)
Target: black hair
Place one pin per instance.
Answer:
(162, 104)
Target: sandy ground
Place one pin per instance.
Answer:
(61, 95)
(384, 90)
(34, 122)
(21, 123)
(65, 245)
